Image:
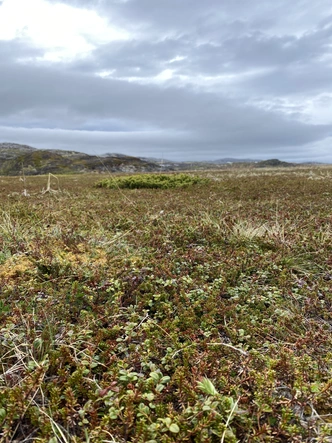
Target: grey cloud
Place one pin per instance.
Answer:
(156, 144)
(260, 50)
(13, 50)
(133, 58)
(235, 53)
(217, 39)
(173, 16)
(203, 20)
(305, 80)
(67, 100)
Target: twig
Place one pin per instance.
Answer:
(229, 419)
(229, 346)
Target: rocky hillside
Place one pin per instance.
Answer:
(15, 158)
(12, 150)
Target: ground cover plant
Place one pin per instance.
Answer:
(198, 314)
(152, 181)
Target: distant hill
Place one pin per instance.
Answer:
(234, 160)
(15, 158)
(274, 163)
(12, 150)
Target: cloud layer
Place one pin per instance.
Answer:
(182, 80)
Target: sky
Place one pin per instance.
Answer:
(172, 79)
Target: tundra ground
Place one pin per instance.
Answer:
(181, 315)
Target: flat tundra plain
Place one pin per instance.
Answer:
(200, 314)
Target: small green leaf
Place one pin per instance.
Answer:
(149, 396)
(155, 376)
(159, 387)
(32, 365)
(315, 387)
(165, 379)
(167, 421)
(174, 428)
(207, 387)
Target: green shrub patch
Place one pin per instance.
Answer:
(152, 181)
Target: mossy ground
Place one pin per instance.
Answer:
(184, 315)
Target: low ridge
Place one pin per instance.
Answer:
(16, 158)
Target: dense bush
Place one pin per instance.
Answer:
(154, 181)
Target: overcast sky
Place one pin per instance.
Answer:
(174, 79)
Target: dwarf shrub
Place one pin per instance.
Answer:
(154, 181)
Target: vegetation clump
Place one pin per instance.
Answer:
(274, 163)
(152, 181)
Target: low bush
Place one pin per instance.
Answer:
(154, 181)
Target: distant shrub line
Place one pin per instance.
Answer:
(152, 181)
